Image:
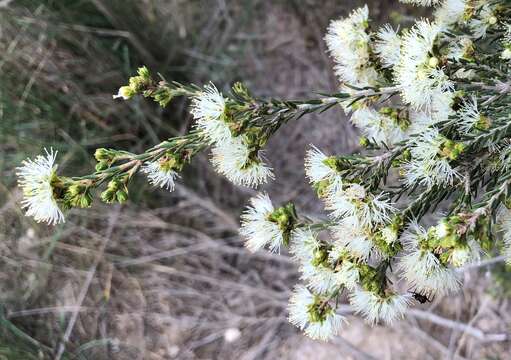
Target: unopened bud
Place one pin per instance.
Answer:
(125, 93)
(108, 196)
(122, 196)
(433, 62)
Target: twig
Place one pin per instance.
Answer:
(438, 346)
(469, 330)
(484, 263)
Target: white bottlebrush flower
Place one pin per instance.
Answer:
(348, 275)
(303, 243)
(506, 54)
(426, 274)
(160, 176)
(461, 47)
(388, 46)
(421, 2)
(351, 237)
(354, 201)
(483, 21)
(419, 73)
(469, 254)
(389, 234)
(420, 121)
(427, 167)
(468, 116)
(348, 44)
(310, 313)
(465, 74)
(320, 278)
(343, 203)
(35, 178)
(232, 159)
(440, 111)
(428, 172)
(374, 307)
(503, 151)
(256, 227)
(450, 12)
(442, 104)
(377, 210)
(208, 109)
(422, 268)
(427, 144)
(317, 170)
(507, 35)
(376, 126)
(442, 229)
(312, 257)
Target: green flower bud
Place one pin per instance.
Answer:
(163, 96)
(108, 196)
(125, 93)
(74, 190)
(407, 155)
(143, 72)
(102, 165)
(285, 217)
(85, 201)
(102, 154)
(122, 196)
(113, 185)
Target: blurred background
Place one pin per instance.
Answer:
(166, 275)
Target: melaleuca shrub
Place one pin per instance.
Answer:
(431, 103)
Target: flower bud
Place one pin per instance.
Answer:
(433, 62)
(102, 165)
(102, 154)
(113, 185)
(125, 93)
(122, 196)
(143, 72)
(85, 200)
(74, 190)
(108, 196)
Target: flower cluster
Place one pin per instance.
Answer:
(235, 154)
(438, 141)
(432, 105)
